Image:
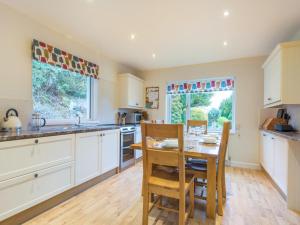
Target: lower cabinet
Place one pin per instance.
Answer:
(22, 192)
(34, 170)
(110, 150)
(87, 157)
(274, 158)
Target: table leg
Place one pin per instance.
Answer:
(211, 188)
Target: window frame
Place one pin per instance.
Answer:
(188, 109)
(91, 99)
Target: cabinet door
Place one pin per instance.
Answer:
(34, 154)
(110, 150)
(140, 94)
(87, 156)
(262, 148)
(269, 154)
(272, 80)
(133, 85)
(22, 192)
(281, 163)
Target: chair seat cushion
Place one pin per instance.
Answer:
(164, 179)
(197, 161)
(196, 167)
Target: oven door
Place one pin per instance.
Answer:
(127, 154)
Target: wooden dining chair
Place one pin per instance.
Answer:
(171, 184)
(199, 170)
(197, 123)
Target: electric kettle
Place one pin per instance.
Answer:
(11, 120)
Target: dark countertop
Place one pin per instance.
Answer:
(53, 131)
(293, 136)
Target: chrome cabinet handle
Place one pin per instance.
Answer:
(36, 141)
(269, 99)
(36, 175)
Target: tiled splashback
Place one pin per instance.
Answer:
(294, 112)
(24, 108)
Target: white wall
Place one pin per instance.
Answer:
(244, 145)
(17, 32)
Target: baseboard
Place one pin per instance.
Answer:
(247, 165)
(34, 211)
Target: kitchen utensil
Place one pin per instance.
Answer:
(280, 113)
(11, 120)
(37, 121)
(284, 128)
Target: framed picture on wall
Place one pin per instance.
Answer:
(152, 97)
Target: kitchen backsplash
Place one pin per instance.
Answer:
(24, 108)
(294, 112)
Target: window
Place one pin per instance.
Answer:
(212, 104)
(59, 93)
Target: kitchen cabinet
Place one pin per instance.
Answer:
(96, 153)
(138, 139)
(281, 75)
(110, 150)
(274, 158)
(88, 156)
(24, 156)
(131, 91)
(24, 191)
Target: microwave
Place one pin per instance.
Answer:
(137, 117)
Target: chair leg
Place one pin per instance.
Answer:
(224, 185)
(220, 196)
(192, 199)
(145, 205)
(182, 210)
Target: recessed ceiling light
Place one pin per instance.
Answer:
(153, 55)
(225, 43)
(132, 36)
(226, 13)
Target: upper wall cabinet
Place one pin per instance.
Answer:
(282, 75)
(131, 93)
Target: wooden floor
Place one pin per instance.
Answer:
(251, 200)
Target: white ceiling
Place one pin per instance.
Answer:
(179, 32)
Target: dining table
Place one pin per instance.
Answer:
(194, 147)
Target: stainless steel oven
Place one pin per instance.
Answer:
(127, 155)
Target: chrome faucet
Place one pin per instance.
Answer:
(78, 119)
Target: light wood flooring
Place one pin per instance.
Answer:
(251, 200)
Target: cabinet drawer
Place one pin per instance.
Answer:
(25, 156)
(22, 192)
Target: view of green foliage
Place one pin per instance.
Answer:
(201, 99)
(198, 114)
(178, 109)
(59, 93)
(226, 108)
(201, 109)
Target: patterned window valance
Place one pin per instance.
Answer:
(196, 86)
(48, 54)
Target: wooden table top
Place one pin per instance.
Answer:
(196, 150)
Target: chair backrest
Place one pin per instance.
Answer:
(197, 123)
(158, 121)
(163, 157)
(223, 146)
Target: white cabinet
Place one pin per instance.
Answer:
(24, 191)
(88, 156)
(24, 156)
(131, 91)
(281, 75)
(138, 139)
(110, 150)
(281, 163)
(96, 153)
(274, 158)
